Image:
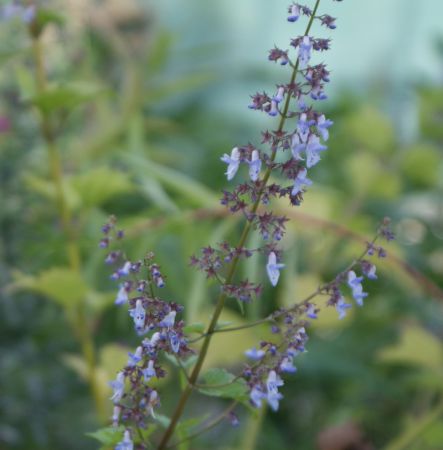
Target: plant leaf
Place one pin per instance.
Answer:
(224, 385)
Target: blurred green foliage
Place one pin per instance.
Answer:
(138, 138)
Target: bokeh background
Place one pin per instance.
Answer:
(146, 96)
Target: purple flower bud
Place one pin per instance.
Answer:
(310, 311)
(233, 419)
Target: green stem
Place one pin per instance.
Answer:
(72, 249)
(213, 423)
(231, 271)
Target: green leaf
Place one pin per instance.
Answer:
(221, 383)
(66, 97)
(195, 328)
(196, 192)
(421, 165)
(64, 286)
(416, 346)
(108, 436)
(164, 421)
(101, 184)
(186, 364)
(46, 188)
(223, 324)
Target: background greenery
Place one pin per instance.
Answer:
(146, 97)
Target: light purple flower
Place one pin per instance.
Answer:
(254, 165)
(272, 384)
(126, 443)
(279, 96)
(118, 387)
(301, 180)
(303, 127)
(233, 163)
(174, 341)
(138, 314)
(304, 51)
(294, 14)
(255, 354)
(354, 283)
(341, 306)
(369, 271)
(125, 269)
(287, 366)
(149, 372)
(122, 296)
(310, 311)
(135, 358)
(274, 109)
(297, 147)
(322, 126)
(256, 396)
(169, 320)
(313, 150)
(273, 269)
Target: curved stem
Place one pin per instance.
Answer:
(231, 271)
(213, 423)
(72, 249)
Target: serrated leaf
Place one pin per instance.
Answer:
(62, 285)
(195, 328)
(108, 436)
(101, 184)
(221, 383)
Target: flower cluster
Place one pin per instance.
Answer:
(12, 10)
(133, 397)
(305, 143)
(273, 359)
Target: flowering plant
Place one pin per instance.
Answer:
(277, 168)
